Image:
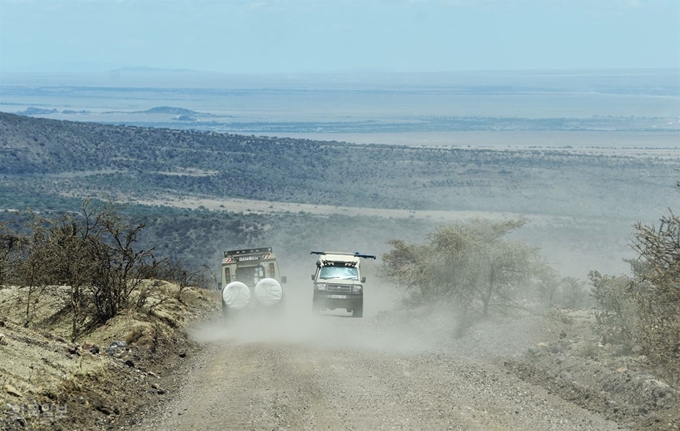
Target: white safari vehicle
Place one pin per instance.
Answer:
(251, 280)
(338, 282)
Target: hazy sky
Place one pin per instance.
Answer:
(264, 36)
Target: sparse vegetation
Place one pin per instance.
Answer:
(10, 249)
(644, 310)
(91, 262)
(149, 164)
(617, 314)
(95, 254)
(656, 292)
(109, 375)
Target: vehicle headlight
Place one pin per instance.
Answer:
(357, 289)
(320, 286)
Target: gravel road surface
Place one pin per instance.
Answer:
(337, 373)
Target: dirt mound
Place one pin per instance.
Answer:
(101, 379)
(575, 365)
(559, 351)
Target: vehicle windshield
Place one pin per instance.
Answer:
(340, 272)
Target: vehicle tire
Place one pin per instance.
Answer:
(358, 311)
(316, 308)
(268, 292)
(235, 295)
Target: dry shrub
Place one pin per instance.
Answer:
(559, 316)
(657, 293)
(617, 314)
(143, 335)
(644, 310)
(587, 350)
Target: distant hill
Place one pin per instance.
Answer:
(61, 157)
(168, 110)
(71, 112)
(37, 111)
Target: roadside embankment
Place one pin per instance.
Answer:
(103, 377)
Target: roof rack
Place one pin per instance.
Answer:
(356, 254)
(261, 250)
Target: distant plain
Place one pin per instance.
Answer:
(603, 100)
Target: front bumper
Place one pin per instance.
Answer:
(333, 300)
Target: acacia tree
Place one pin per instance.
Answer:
(470, 263)
(489, 264)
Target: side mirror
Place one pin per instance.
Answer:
(284, 279)
(363, 279)
(312, 277)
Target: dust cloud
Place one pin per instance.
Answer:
(384, 327)
(387, 326)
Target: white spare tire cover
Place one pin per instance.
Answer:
(268, 291)
(236, 295)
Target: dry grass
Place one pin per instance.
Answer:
(38, 360)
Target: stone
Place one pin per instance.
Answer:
(12, 390)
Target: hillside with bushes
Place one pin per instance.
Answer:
(61, 158)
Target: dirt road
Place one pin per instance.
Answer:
(337, 373)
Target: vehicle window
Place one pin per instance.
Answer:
(341, 272)
(249, 275)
